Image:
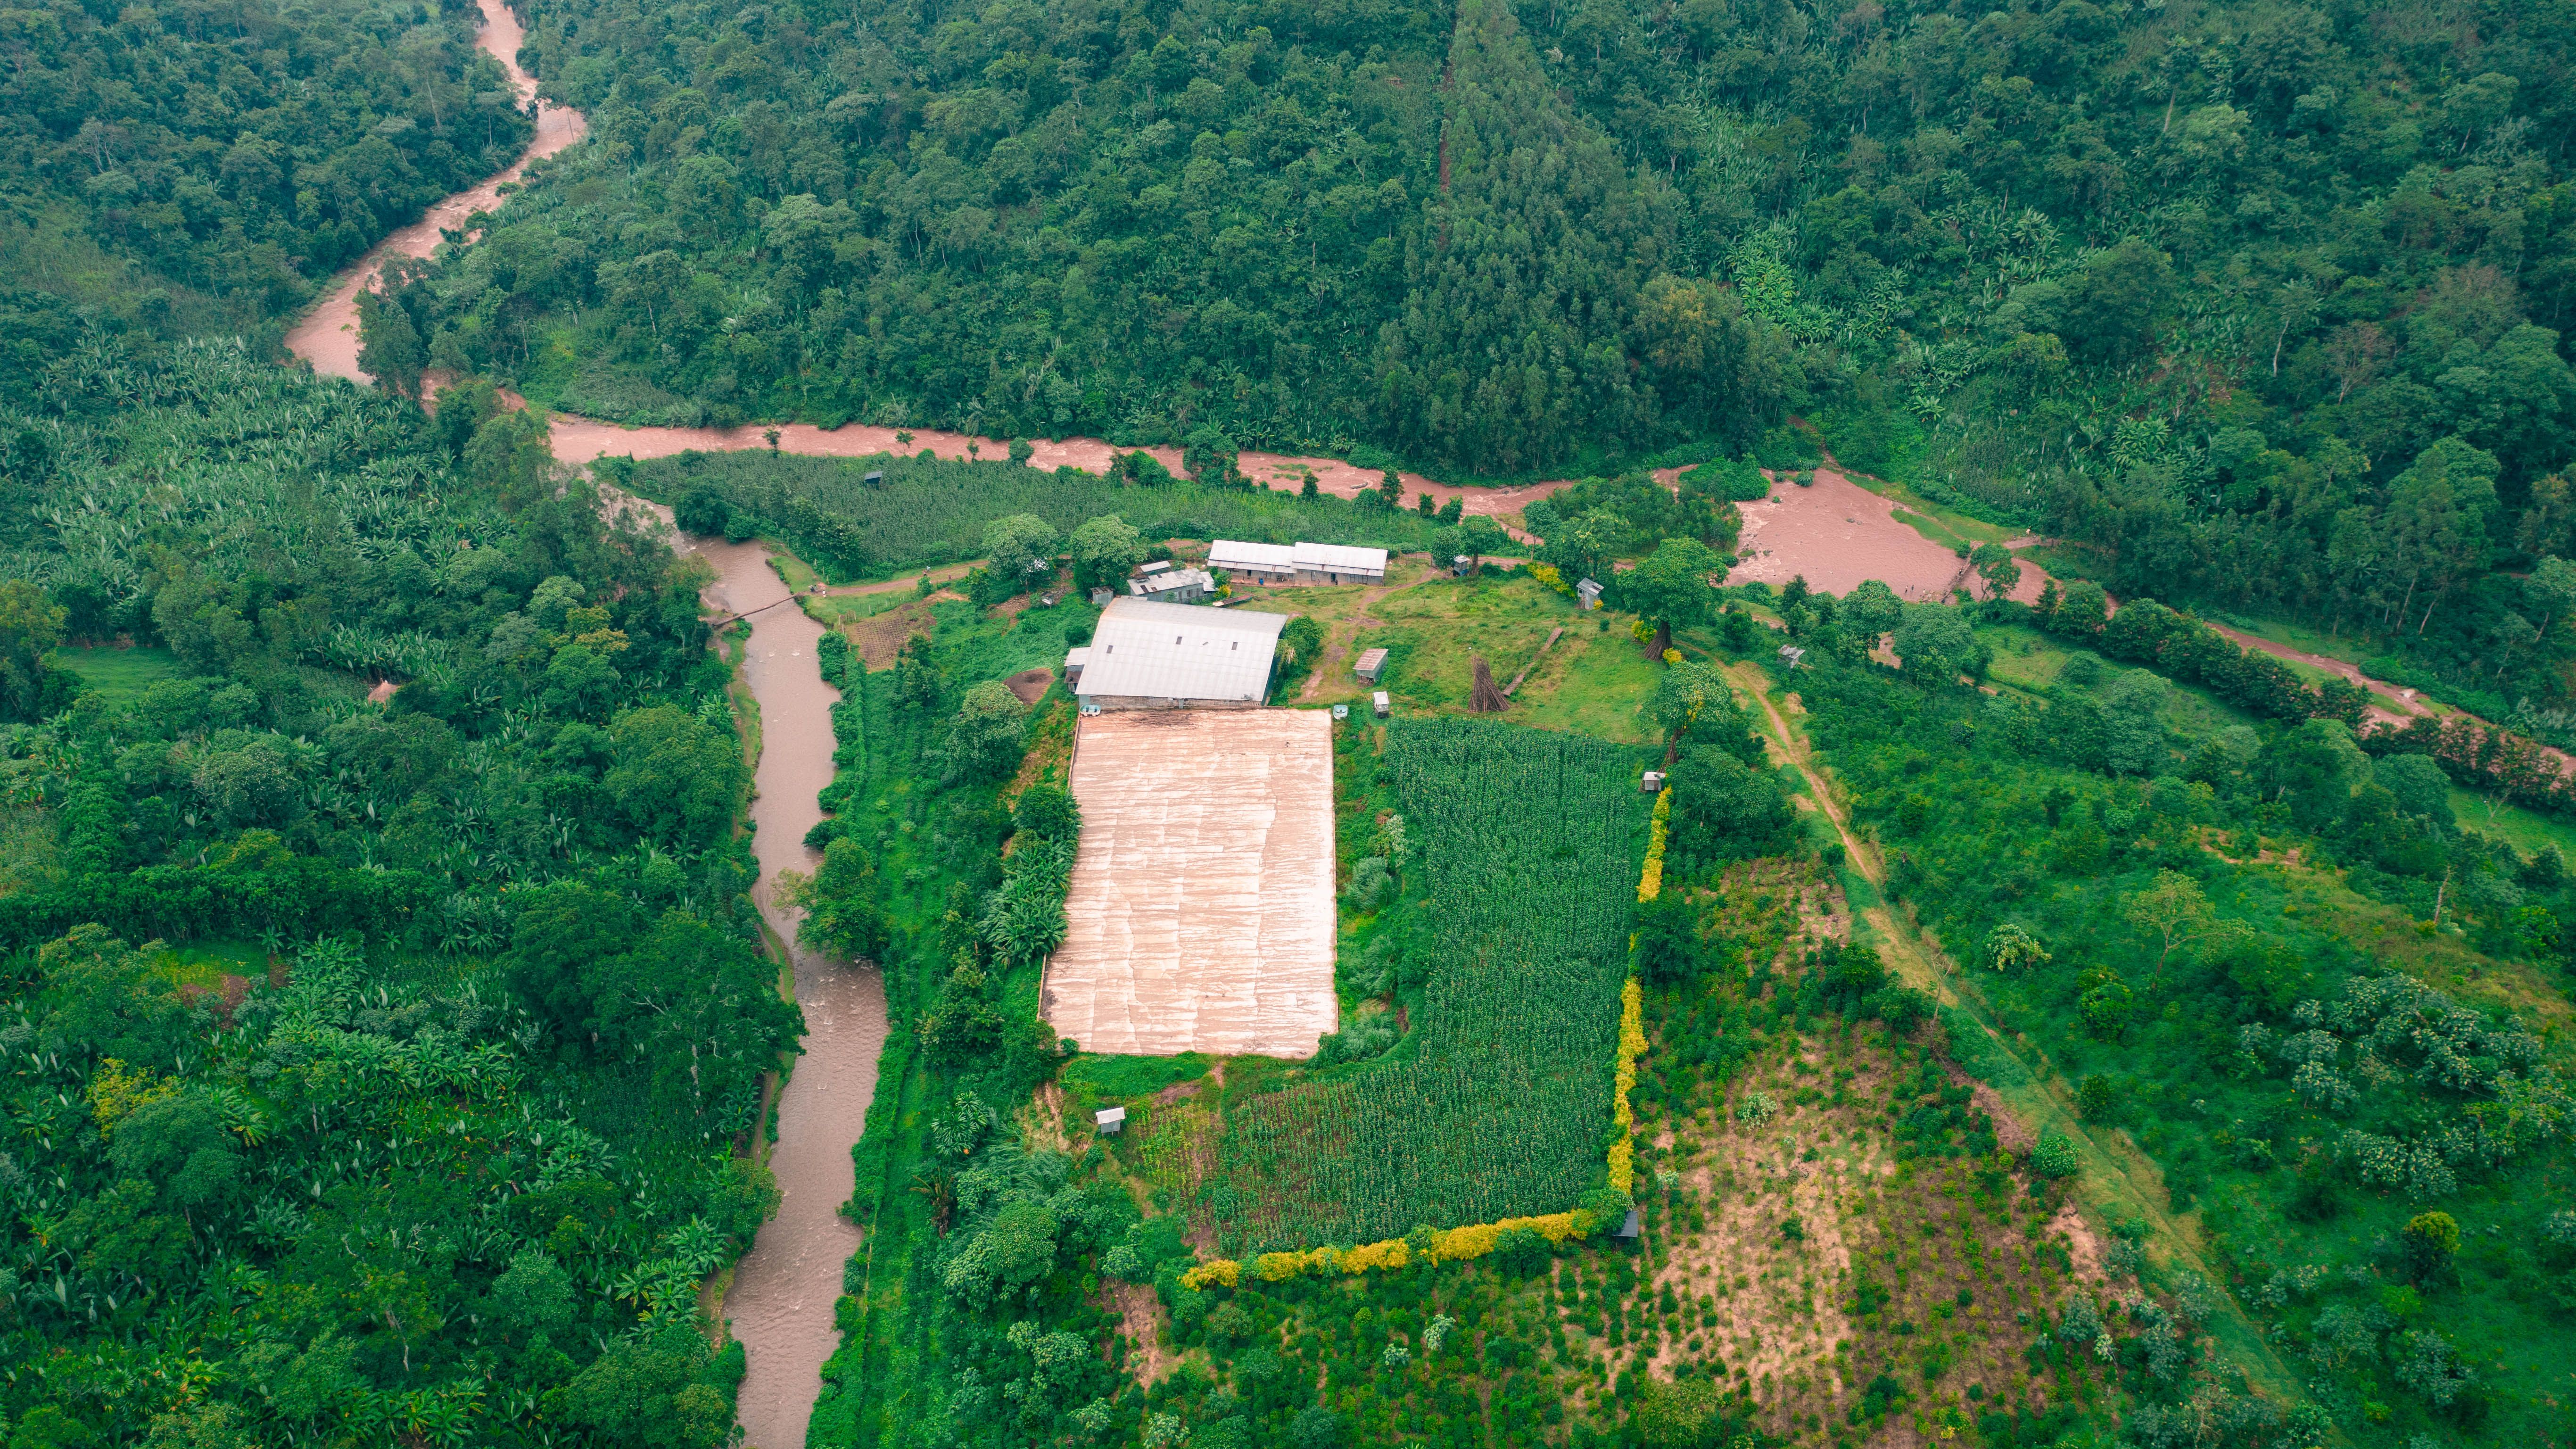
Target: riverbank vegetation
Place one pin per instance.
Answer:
(185, 174)
(925, 511)
(389, 1020)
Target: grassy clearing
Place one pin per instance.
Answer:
(121, 674)
(1594, 680)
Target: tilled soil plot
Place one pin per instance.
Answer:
(1830, 1235)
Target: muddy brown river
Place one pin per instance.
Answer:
(780, 1302)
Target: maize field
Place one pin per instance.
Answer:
(1498, 1104)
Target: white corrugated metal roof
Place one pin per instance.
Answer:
(1227, 553)
(1148, 650)
(1341, 558)
(1077, 655)
(1178, 580)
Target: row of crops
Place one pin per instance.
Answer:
(931, 511)
(1499, 1103)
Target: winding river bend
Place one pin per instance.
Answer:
(780, 1303)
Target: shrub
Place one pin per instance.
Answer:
(2054, 1157)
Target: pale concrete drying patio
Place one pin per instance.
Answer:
(1201, 912)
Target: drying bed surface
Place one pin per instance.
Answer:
(1201, 912)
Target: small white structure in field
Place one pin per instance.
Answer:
(1589, 593)
(1341, 712)
(1793, 654)
(1652, 782)
(1100, 597)
(1372, 666)
(1110, 1120)
(1381, 703)
(1174, 586)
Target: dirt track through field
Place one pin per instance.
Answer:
(2115, 1173)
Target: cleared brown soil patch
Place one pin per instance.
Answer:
(1836, 534)
(1776, 1197)
(880, 638)
(1029, 684)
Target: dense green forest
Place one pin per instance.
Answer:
(2257, 305)
(380, 1065)
(200, 169)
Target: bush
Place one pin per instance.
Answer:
(2054, 1158)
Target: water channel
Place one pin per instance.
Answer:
(781, 1299)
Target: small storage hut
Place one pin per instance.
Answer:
(1371, 667)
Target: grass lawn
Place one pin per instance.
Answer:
(839, 608)
(1945, 526)
(1434, 628)
(2028, 662)
(121, 674)
(205, 965)
(2524, 830)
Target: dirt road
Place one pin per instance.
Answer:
(2115, 1174)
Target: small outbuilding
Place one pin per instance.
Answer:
(1110, 1120)
(1381, 703)
(1074, 659)
(1372, 666)
(1341, 712)
(1588, 593)
(876, 478)
(1651, 783)
(1148, 654)
(1100, 597)
(1632, 1225)
(1793, 654)
(1174, 586)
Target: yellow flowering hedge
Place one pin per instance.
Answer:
(1651, 884)
(1632, 1045)
(1547, 574)
(1457, 1245)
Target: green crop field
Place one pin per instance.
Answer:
(1499, 1101)
(931, 511)
(120, 674)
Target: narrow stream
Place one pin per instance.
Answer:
(783, 1290)
(780, 1303)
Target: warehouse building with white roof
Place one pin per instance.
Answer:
(1148, 655)
(1298, 563)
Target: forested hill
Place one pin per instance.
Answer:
(199, 168)
(1977, 242)
(1326, 224)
